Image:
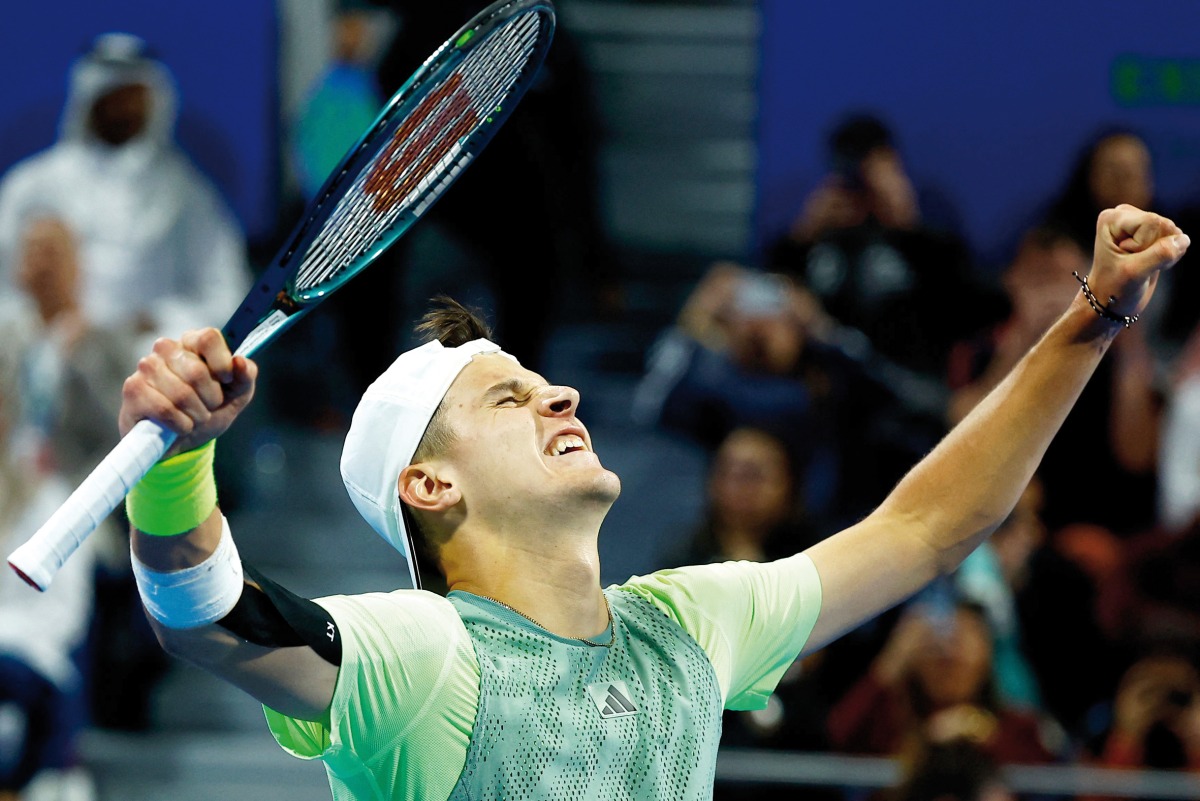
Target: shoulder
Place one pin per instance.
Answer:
(39, 167)
(404, 624)
(700, 582)
(390, 610)
(731, 593)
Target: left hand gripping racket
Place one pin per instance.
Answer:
(425, 137)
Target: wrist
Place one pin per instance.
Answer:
(1088, 326)
(177, 495)
(196, 595)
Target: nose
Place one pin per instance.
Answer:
(555, 401)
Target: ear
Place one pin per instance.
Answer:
(422, 487)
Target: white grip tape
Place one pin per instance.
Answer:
(39, 559)
(197, 595)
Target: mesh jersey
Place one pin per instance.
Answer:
(575, 721)
(407, 697)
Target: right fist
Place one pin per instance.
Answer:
(194, 386)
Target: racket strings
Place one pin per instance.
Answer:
(422, 151)
(392, 178)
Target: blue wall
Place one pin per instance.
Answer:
(990, 101)
(223, 54)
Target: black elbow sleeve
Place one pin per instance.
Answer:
(272, 616)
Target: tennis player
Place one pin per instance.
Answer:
(529, 680)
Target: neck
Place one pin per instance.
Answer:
(555, 581)
(57, 312)
(738, 542)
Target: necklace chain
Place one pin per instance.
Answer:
(607, 608)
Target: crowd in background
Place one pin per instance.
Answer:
(818, 377)
(813, 379)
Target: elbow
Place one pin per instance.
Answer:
(168, 639)
(178, 643)
(952, 557)
(946, 544)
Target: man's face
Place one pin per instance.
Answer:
(520, 455)
(1122, 173)
(120, 115)
(48, 268)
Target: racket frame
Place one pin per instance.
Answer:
(274, 304)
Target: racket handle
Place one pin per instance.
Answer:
(39, 559)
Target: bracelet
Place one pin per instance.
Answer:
(177, 494)
(1100, 308)
(197, 595)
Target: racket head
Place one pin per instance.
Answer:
(427, 133)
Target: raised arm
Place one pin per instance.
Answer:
(196, 387)
(958, 494)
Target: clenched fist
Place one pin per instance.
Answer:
(195, 387)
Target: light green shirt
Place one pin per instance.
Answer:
(407, 693)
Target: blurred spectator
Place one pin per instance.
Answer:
(159, 250)
(754, 511)
(42, 682)
(1115, 167)
(66, 385)
(1067, 635)
(751, 349)
(955, 768)
(526, 214)
(70, 370)
(934, 672)
(1165, 566)
(864, 247)
(1155, 719)
(57, 397)
(733, 357)
(992, 576)
(1179, 444)
(341, 105)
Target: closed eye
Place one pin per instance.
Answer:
(512, 401)
(512, 392)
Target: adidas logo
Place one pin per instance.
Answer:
(612, 699)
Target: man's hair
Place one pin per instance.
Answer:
(452, 324)
(856, 136)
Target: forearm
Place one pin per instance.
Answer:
(169, 554)
(193, 588)
(173, 512)
(966, 486)
(186, 564)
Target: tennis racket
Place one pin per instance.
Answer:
(423, 139)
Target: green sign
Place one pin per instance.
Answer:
(1146, 81)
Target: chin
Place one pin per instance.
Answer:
(605, 487)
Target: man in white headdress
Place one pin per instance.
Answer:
(159, 248)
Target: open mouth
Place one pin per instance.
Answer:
(564, 444)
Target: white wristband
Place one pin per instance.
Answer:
(197, 595)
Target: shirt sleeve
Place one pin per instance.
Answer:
(408, 676)
(751, 618)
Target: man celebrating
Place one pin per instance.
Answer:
(528, 680)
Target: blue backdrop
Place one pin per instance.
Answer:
(990, 101)
(223, 55)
